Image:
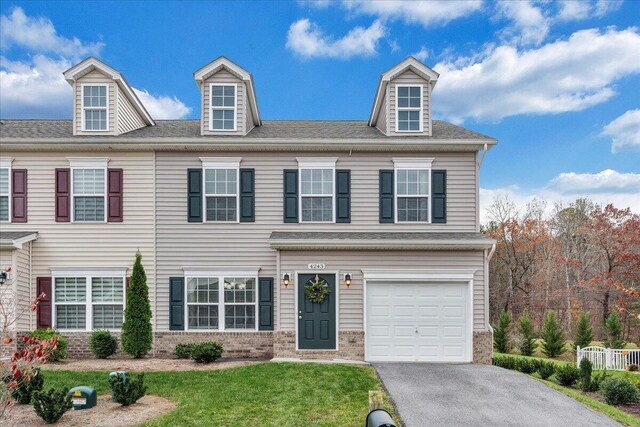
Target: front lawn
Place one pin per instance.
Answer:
(268, 394)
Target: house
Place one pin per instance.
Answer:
(291, 238)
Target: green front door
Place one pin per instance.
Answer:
(316, 320)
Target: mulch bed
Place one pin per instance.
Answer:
(632, 409)
(145, 364)
(105, 414)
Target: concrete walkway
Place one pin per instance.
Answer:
(478, 395)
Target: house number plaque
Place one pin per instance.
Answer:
(316, 266)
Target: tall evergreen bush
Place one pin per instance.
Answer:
(613, 328)
(137, 335)
(554, 341)
(501, 333)
(583, 333)
(527, 336)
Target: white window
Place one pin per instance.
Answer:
(88, 190)
(222, 114)
(413, 190)
(221, 302)
(317, 189)
(409, 108)
(5, 193)
(95, 111)
(87, 302)
(221, 187)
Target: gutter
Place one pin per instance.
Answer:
(305, 244)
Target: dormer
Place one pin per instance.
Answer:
(103, 101)
(402, 106)
(228, 99)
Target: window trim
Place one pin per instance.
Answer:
(84, 108)
(88, 303)
(317, 163)
(73, 195)
(421, 109)
(5, 163)
(221, 302)
(411, 164)
(220, 163)
(212, 108)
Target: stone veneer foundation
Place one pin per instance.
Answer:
(483, 347)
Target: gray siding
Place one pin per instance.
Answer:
(409, 77)
(128, 118)
(225, 246)
(224, 76)
(383, 116)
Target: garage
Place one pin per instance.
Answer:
(418, 321)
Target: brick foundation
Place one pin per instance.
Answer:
(236, 344)
(7, 350)
(350, 347)
(483, 347)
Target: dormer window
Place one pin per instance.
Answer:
(94, 108)
(223, 107)
(409, 108)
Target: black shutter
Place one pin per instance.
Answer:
(343, 195)
(265, 306)
(386, 196)
(194, 195)
(247, 195)
(290, 195)
(439, 196)
(176, 303)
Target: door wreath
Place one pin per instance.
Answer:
(317, 289)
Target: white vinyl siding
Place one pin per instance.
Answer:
(221, 194)
(223, 107)
(317, 194)
(95, 109)
(5, 194)
(412, 195)
(89, 194)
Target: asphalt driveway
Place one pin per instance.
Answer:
(478, 395)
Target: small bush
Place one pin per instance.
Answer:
(52, 404)
(126, 390)
(586, 368)
(526, 366)
(206, 352)
(633, 368)
(103, 344)
(24, 390)
(619, 391)
(546, 369)
(567, 375)
(47, 334)
(598, 379)
(183, 351)
(506, 362)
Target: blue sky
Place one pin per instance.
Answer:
(557, 83)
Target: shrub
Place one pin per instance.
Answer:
(597, 380)
(586, 368)
(613, 329)
(501, 333)
(52, 404)
(183, 351)
(26, 387)
(526, 366)
(47, 334)
(554, 342)
(619, 391)
(546, 369)
(136, 335)
(527, 337)
(206, 352)
(103, 344)
(126, 390)
(633, 368)
(583, 334)
(567, 375)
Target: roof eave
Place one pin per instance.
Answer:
(14, 244)
(347, 244)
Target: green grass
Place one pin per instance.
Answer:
(269, 394)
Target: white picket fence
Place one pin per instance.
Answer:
(609, 358)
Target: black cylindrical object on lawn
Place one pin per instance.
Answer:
(379, 418)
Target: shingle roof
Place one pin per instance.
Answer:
(277, 129)
(15, 235)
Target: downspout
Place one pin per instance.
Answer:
(31, 315)
(277, 289)
(155, 257)
(487, 258)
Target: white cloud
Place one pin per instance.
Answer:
(425, 13)
(566, 75)
(602, 7)
(37, 34)
(608, 186)
(316, 4)
(572, 10)
(529, 24)
(625, 131)
(163, 107)
(307, 39)
(422, 54)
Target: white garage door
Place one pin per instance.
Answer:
(426, 322)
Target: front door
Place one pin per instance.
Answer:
(316, 320)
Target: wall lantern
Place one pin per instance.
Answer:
(285, 279)
(3, 275)
(347, 279)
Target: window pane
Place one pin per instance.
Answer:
(221, 208)
(87, 182)
(223, 119)
(223, 96)
(107, 289)
(88, 208)
(403, 91)
(107, 316)
(202, 290)
(4, 181)
(70, 289)
(95, 96)
(240, 317)
(239, 290)
(4, 208)
(413, 209)
(203, 317)
(317, 209)
(71, 317)
(220, 181)
(316, 181)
